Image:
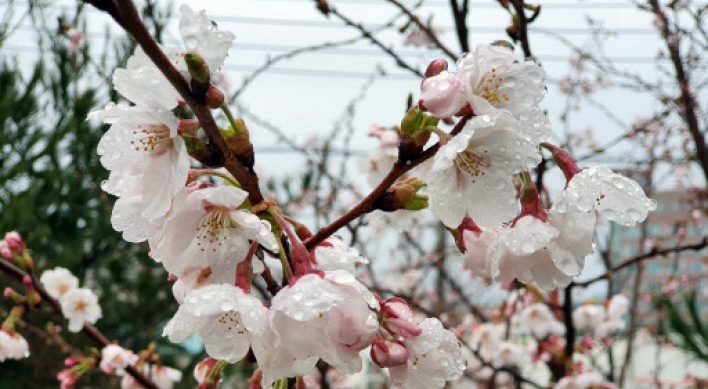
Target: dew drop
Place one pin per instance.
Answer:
(191, 42)
(510, 81)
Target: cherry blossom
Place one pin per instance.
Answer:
(476, 255)
(116, 358)
(548, 254)
(148, 163)
(588, 317)
(144, 84)
(162, 376)
(471, 173)
(581, 381)
(538, 321)
(58, 282)
(317, 318)
(486, 338)
(615, 196)
(13, 346)
(334, 254)
(491, 79)
(80, 306)
(225, 318)
(209, 230)
(434, 357)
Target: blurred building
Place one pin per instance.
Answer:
(680, 219)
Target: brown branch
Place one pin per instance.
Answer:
(688, 104)
(655, 252)
(90, 331)
(426, 29)
(126, 15)
(522, 32)
(459, 15)
(367, 34)
(367, 204)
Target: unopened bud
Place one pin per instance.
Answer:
(403, 195)
(564, 160)
(5, 251)
(388, 353)
(416, 127)
(436, 67)
(199, 70)
(214, 98)
(239, 142)
(398, 318)
(255, 381)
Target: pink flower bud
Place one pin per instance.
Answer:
(14, 240)
(71, 361)
(388, 353)
(27, 281)
(398, 318)
(255, 381)
(436, 67)
(202, 368)
(443, 95)
(5, 251)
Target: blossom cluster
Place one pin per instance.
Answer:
(206, 236)
(78, 305)
(472, 178)
(212, 240)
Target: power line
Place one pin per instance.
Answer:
(310, 23)
(490, 5)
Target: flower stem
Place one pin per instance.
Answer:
(225, 109)
(284, 261)
(229, 179)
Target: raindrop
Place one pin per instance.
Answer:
(510, 81)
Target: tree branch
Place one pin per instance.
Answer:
(655, 252)
(90, 331)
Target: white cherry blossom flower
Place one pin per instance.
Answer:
(588, 317)
(549, 253)
(487, 338)
(377, 165)
(616, 309)
(13, 346)
(538, 321)
(471, 173)
(225, 318)
(476, 255)
(508, 354)
(317, 318)
(334, 254)
(209, 230)
(162, 376)
(143, 83)
(148, 161)
(116, 358)
(491, 79)
(615, 196)
(581, 381)
(80, 306)
(618, 306)
(434, 357)
(58, 281)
